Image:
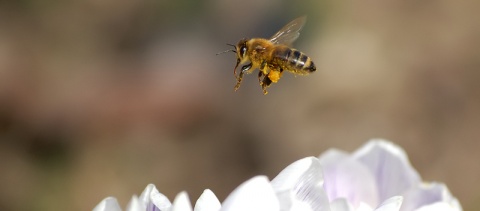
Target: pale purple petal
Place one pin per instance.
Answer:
(207, 202)
(427, 194)
(390, 167)
(348, 178)
(304, 178)
(255, 194)
(181, 202)
(108, 204)
(154, 200)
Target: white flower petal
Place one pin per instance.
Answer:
(389, 163)
(391, 204)
(304, 178)
(429, 193)
(439, 206)
(348, 178)
(298, 205)
(340, 204)
(332, 156)
(289, 177)
(207, 202)
(153, 199)
(455, 204)
(181, 202)
(254, 194)
(135, 204)
(364, 207)
(108, 204)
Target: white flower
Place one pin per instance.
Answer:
(378, 176)
(378, 171)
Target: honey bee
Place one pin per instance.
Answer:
(272, 56)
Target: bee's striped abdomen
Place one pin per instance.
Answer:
(294, 60)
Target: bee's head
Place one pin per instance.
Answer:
(241, 49)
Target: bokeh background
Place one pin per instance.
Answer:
(102, 97)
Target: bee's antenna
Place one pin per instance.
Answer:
(232, 50)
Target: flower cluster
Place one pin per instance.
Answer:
(378, 176)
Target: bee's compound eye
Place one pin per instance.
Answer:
(243, 50)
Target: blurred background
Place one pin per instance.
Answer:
(102, 97)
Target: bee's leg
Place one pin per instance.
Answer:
(245, 68)
(265, 84)
(260, 75)
(263, 64)
(261, 72)
(235, 69)
(265, 81)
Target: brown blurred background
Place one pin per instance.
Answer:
(102, 97)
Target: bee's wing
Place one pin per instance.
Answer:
(290, 32)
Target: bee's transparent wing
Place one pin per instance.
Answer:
(290, 32)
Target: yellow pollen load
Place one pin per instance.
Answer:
(274, 76)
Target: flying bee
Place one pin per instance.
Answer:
(272, 56)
